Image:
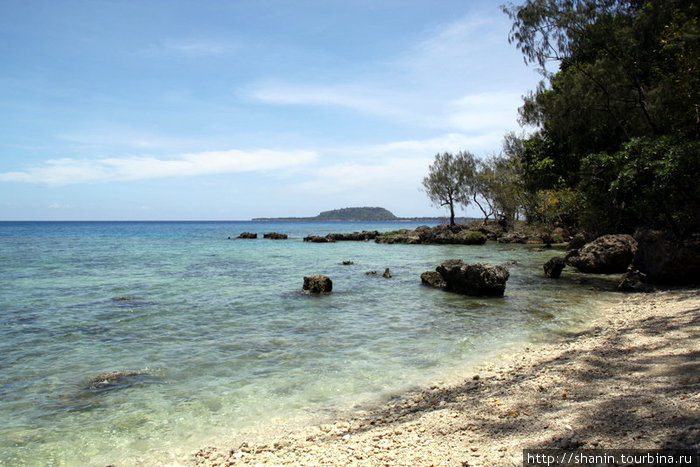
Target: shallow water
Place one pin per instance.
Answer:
(221, 335)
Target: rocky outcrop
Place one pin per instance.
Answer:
(347, 263)
(248, 235)
(404, 236)
(665, 259)
(554, 266)
(605, 255)
(275, 236)
(433, 279)
(318, 239)
(363, 236)
(317, 284)
(474, 279)
(442, 234)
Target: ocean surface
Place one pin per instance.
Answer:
(220, 337)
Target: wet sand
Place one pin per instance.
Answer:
(629, 380)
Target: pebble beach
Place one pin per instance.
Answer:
(628, 380)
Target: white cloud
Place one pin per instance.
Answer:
(69, 171)
(59, 206)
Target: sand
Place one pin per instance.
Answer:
(630, 380)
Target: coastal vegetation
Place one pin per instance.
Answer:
(615, 129)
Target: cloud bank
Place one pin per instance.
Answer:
(68, 171)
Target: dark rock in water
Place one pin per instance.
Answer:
(605, 255)
(317, 284)
(386, 274)
(275, 236)
(363, 236)
(248, 235)
(123, 299)
(474, 279)
(433, 279)
(347, 263)
(554, 266)
(634, 281)
(668, 260)
(318, 239)
(115, 380)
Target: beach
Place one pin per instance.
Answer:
(630, 379)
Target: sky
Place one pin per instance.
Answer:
(229, 110)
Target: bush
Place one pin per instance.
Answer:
(474, 237)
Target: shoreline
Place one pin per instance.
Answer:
(628, 380)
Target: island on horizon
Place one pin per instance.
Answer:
(354, 214)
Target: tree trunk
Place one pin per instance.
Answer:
(452, 214)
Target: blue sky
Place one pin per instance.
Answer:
(236, 109)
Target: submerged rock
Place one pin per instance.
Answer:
(317, 284)
(554, 266)
(115, 380)
(318, 239)
(605, 255)
(474, 279)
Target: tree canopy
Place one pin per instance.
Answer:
(450, 180)
(618, 122)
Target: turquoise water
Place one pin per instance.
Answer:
(223, 337)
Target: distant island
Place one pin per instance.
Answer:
(353, 214)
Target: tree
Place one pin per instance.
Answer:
(621, 112)
(450, 180)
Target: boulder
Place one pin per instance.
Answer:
(433, 279)
(317, 284)
(634, 281)
(363, 236)
(474, 279)
(605, 255)
(248, 235)
(318, 239)
(275, 236)
(576, 242)
(347, 263)
(554, 266)
(665, 259)
(387, 274)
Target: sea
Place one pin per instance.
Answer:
(218, 341)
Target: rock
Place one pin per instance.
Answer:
(363, 236)
(405, 236)
(275, 236)
(668, 260)
(387, 274)
(347, 263)
(554, 266)
(433, 279)
(605, 255)
(248, 235)
(513, 237)
(317, 284)
(474, 279)
(576, 242)
(318, 239)
(372, 273)
(115, 380)
(634, 281)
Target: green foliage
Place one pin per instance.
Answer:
(450, 180)
(474, 237)
(650, 181)
(357, 214)
(618, 123)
